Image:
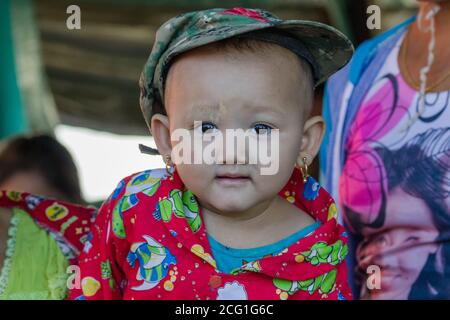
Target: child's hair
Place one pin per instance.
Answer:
(45, 155)
(237, 45)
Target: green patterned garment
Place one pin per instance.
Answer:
(34, 267)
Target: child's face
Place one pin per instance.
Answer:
(242, 91)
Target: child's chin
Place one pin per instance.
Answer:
(232, 206)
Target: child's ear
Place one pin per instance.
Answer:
(313, 132)
(161, 133)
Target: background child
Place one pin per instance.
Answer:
(39, 165)
(224, 231)
(39, 236)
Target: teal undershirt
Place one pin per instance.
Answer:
(228, 258)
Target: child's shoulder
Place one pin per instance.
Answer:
(131, 188)
(134, 196)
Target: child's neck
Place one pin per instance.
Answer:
(249, 216)
(263, 224)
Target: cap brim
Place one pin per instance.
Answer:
(330, 48)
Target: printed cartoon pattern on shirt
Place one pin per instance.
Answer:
(154, 262)
(182, 205)
(166, 254)
(146, 183)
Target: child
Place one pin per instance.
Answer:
(225, 231)
(39, 236)
(40, 239)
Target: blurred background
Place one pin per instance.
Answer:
(82, 85)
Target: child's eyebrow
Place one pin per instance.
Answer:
(216, 111)
(267, 109)
(204, 109)
(211, 112)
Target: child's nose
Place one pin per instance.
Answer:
(235, 151)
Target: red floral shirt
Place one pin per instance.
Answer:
(149, 242)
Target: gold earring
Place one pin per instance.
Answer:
(170, 166)
(304, 169)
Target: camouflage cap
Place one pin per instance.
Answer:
(330, 49)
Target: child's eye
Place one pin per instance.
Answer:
(207, 127)
(262, 128)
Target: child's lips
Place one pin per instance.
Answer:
(232, 179)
